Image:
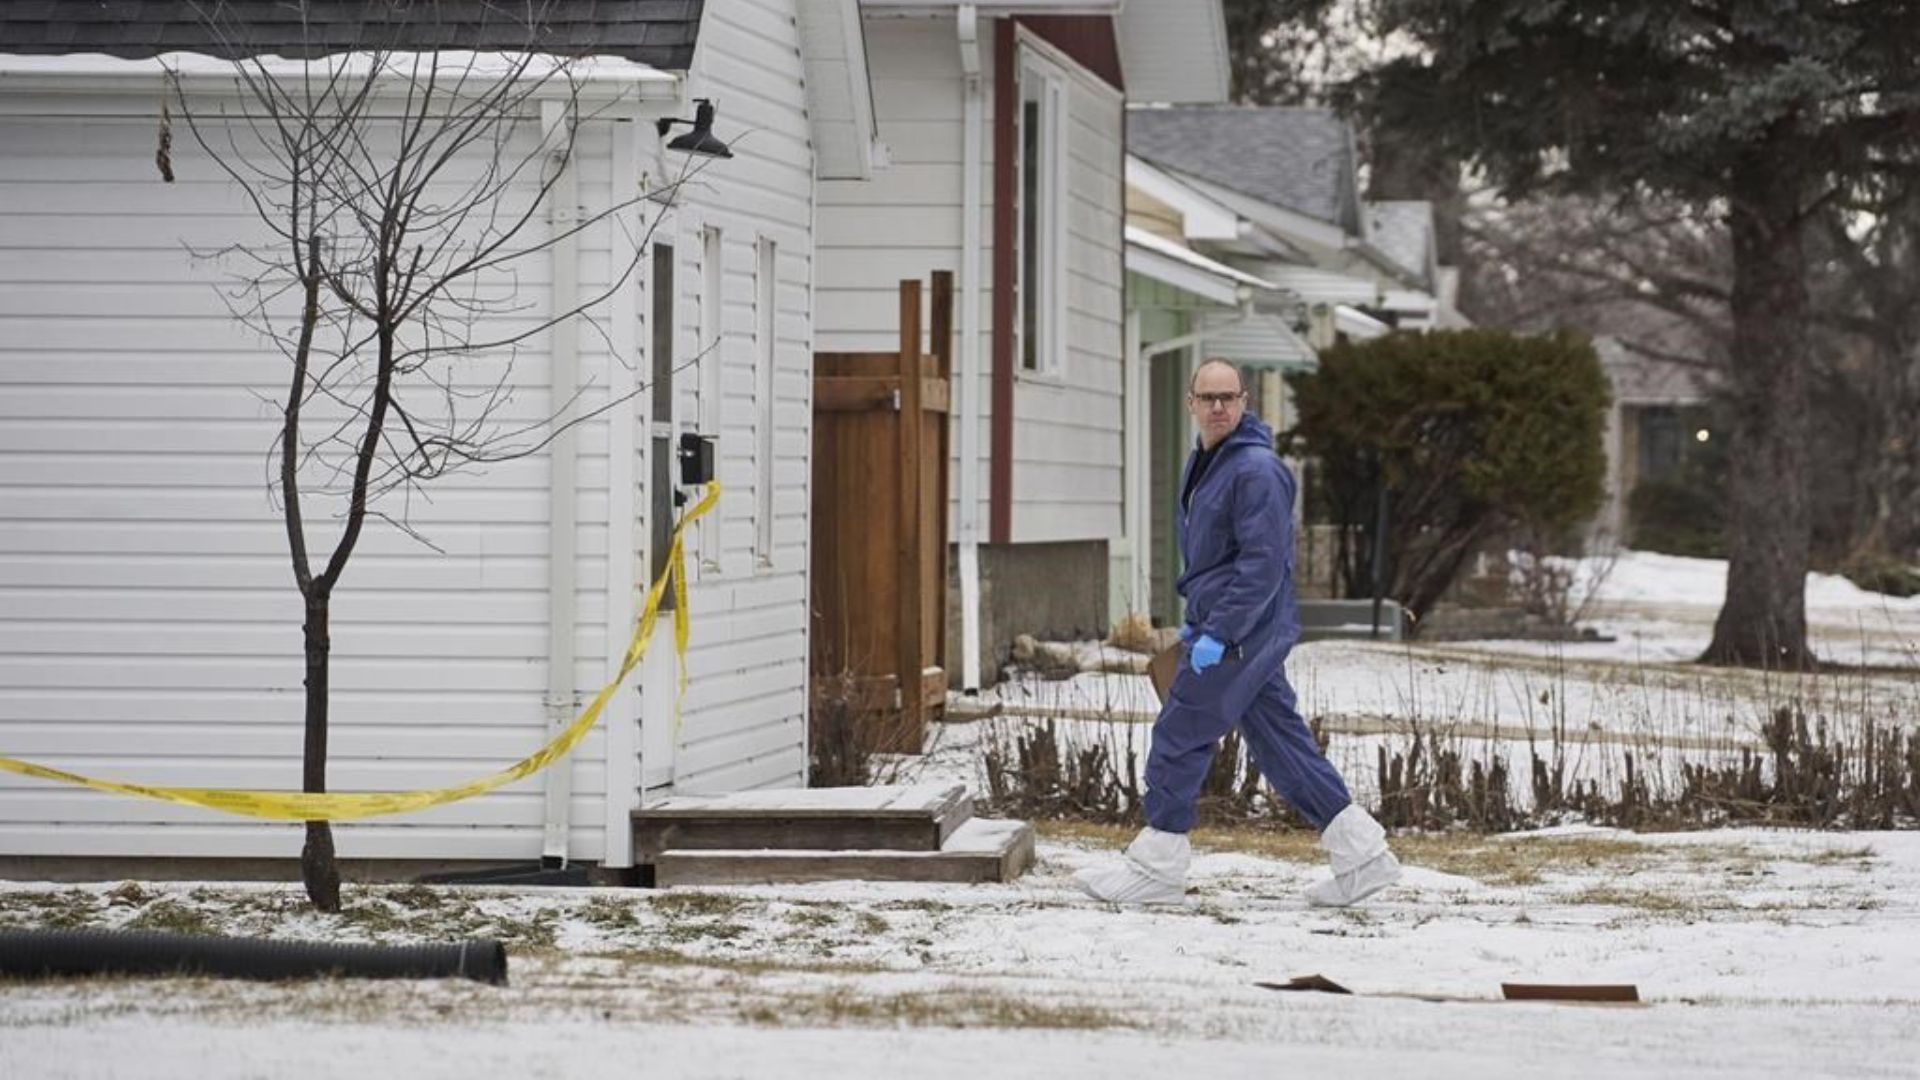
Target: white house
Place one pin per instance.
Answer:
(1002, 124)
(149, 626)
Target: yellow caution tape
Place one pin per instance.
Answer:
(349, 805)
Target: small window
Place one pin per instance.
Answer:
(766, 263)
(1043, 95)
(712, 385)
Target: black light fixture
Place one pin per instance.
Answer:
(700, 140)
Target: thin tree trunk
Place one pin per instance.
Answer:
(317, 866)
(1764, 619)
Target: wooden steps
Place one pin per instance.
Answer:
(923, 832)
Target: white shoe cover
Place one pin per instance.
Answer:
(1154, 871)
(1356, 845)
(1343, 890)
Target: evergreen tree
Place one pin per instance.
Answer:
(1770, 113)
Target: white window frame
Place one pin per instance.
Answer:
(712, 343)
(766, 294)
(1043, 84)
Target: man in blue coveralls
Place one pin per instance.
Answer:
(1236, 534)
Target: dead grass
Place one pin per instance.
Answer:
(955, 1008)
(171, 916)
(68, 909)
(695, 903)
(1494, 860)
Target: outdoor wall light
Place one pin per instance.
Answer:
(701, 139)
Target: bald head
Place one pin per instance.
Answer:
(1216, 398)
(1214, 363)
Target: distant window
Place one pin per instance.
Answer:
(1043, 117)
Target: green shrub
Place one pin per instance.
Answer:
(1474, 434)
(1681, 516)
(1883, 575)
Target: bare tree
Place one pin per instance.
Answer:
(401, 195)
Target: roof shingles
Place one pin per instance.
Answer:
(1298, 158)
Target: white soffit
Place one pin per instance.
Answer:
(1174, 52)
(839, 94)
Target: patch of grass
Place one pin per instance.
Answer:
(868, 922)
(812, 917)
(68, 909)
(959, 1008)
(1522, 860)
(1084, 833)
(610, 913)
(417, 897)
(171, 916)
(696, 903)
(1494, 860)
(538, 930)
(929, 906)
(1646, 900)
(657, 956)
(375, 916)
(1832, 856)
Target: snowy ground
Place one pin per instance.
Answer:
(1760, 954)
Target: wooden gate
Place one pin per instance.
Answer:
(880, 517)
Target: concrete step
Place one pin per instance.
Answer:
(980, 850)
(916, 817)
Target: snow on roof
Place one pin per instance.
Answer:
(1160, 245)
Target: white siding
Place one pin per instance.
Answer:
(149, 624)
(906, 222)
(745, 718)
(1069, 460)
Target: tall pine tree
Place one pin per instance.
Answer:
(1769, 112)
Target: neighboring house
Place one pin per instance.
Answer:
(149, 625)
(1003, 124)
(1658, 413)
(1268, 198)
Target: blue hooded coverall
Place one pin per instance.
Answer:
(1236, 534)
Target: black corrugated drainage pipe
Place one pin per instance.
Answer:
(35, 954)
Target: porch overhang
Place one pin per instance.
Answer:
(1187, 271)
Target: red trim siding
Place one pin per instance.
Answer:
(1089, 39)
(1006, 106)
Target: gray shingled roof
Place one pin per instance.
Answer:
(1301, 159)
(1403, 231)
(659, 33)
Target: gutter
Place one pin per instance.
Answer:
(564, 379)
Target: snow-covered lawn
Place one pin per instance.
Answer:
(1760, 954)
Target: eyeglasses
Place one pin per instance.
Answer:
(1222, 400)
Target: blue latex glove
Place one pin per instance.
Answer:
(1205, 653)
(1187, 630)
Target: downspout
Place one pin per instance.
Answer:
(623, 568)
(967, 525)
(1137, 424)
(564, 379)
